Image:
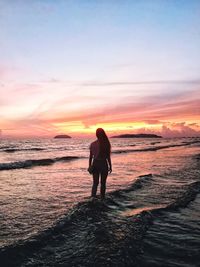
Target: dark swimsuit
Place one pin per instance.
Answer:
(100, 166)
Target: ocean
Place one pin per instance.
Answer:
(151, 215)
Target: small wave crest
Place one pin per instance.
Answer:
(154, 148)
(5, 147)
(12, 150)
(33, 162)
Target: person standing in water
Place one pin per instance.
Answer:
(100, 162)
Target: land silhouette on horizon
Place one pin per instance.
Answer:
(141, 135)
(62, 136)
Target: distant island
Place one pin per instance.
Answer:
(137, 136)
(62, 136)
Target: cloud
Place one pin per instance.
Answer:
(50, 109)
(194, 124)
(179, 130)
(172, 130)
(152, 121)
(163, 119)
(147, 111)
(121, 83)
(150, 112)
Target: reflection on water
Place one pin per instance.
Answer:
(32, 199)
(135, 211)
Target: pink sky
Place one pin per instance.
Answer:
(68, 68)
(43, 109)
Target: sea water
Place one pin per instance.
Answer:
(153, 188)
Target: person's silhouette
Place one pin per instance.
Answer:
(100, 161)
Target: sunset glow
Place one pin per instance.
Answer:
(73, 66)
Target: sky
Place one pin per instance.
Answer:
(72, 66)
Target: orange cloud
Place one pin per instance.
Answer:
(81, 114)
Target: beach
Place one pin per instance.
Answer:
(150, 216)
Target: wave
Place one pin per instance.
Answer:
(95, 232)
(155, 148)
(12, 150)
(137, 184)
(191, 190)
(153, 143)
(5, 147)
(33, 162)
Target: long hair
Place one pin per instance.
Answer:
(104, 143)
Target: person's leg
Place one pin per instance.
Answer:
(95, 184)
(103, 184)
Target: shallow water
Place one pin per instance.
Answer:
(174, 238)
(36, 198)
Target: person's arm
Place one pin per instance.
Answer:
(90, 163)
(90, 159)
(110, 164)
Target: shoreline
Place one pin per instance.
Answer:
(104, 224)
